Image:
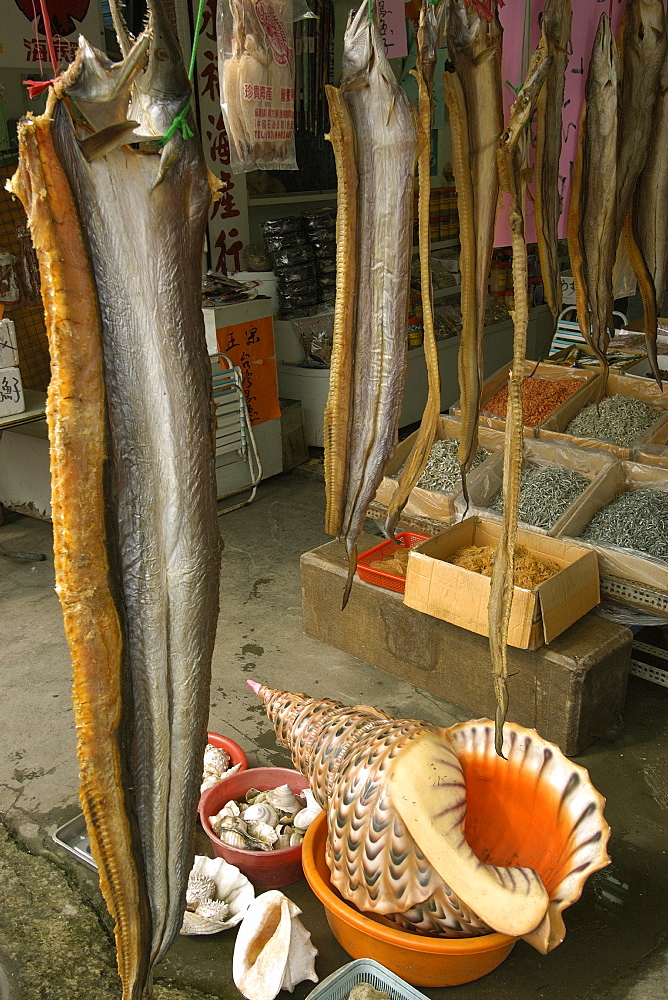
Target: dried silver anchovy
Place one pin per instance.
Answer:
(618, 420)
(442, 472)
(546, 492)
(637, 519)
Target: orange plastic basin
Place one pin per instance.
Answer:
(421, 961)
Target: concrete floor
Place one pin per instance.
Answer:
(54, 930)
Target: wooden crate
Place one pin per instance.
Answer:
(571, 691)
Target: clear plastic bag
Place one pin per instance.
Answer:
(256, 69)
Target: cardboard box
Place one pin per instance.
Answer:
(9, 355)
(426, 503)
(486, 481)
(640, 570)
(460, 596)
(500, 379)
(11, 392)
(554, 428)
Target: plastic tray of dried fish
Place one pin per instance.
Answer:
(72, 836)
(364, 970)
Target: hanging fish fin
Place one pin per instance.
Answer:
(107, 139)
(352, 567)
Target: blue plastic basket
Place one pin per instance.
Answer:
(364, 970)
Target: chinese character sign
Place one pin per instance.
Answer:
(228, 221)
(250, 346)
(392, 23)
(586, 14)
(22, 39)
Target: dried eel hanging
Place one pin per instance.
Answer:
(650, 208)
(642, 46)
(427, 41)
(513, 159)
(474, 101)
(136, 538)
(373, 255)
(592, 239)
(557, 15)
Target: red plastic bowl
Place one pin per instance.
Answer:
(237, 756)
(265, 869)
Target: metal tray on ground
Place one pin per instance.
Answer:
(74, 838)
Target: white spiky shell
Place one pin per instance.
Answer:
(273, 950)
(216, 760)
(231, 887)
(201, 888)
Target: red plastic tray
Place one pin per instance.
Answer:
(391, 581)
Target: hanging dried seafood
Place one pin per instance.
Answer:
(374, 136)
(592, 215)
(427, 42)
(557, 15)
(473, 95)
(256, 69)
(513, 149)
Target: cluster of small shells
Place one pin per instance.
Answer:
(265, 821)
(216, 766)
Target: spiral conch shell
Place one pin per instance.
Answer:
(430, 828)
(273, 950)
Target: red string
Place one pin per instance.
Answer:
(36, 87)
(485, 8)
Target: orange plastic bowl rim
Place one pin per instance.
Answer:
(419, 960)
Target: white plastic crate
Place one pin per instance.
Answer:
(364, 970)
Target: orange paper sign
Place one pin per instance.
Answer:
(250, 347)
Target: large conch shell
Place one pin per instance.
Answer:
(430, 828)
(273, 950)
(214, 881)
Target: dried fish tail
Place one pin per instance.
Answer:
(647, 294)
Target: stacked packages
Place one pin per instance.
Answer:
(304, 253)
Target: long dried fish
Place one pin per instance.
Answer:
(119, 233)
(513, 158)
(557, 16)
(474, 46)
(592, 234)
(647, 226)
(427, 42)
(385, 148)
(642, 47)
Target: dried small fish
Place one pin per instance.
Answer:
(592, 221)
(619, 420)
(442, 473)
(557, 15)
(369, 353)
(636, 519)
(546, 492)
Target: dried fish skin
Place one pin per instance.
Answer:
(142, 217)
(643, 41)
(648, 217)
(592, 237)
(385, 143)
(474, 46)
(557, 16)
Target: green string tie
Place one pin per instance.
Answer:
(180, 123)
